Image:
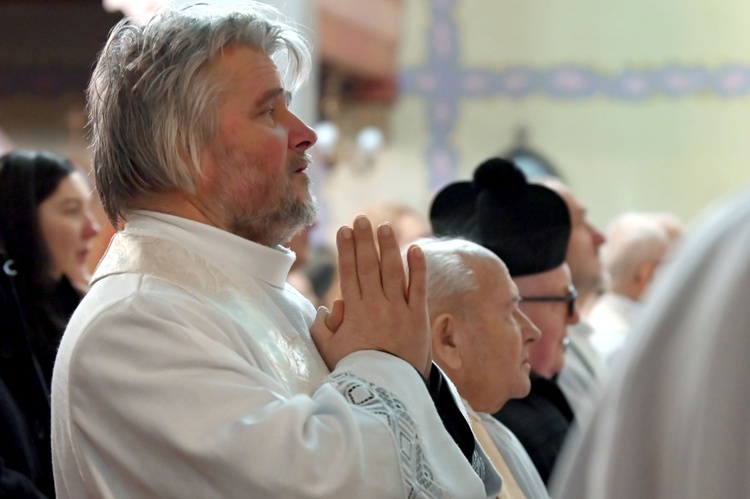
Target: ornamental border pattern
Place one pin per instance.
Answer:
(444, 82)
(419, 477)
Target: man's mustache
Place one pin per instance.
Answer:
(300, 162)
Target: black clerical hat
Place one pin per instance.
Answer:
(526, 225)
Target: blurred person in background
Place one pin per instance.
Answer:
(46, 228)
(581, 377)
(582, 255)
(672, 420)
(408, 223)
(528, 227)
(672, 224)
(636, 245)
(481, 339)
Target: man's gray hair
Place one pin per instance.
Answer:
(448, 273)
(153, 105)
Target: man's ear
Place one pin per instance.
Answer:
(446, 342)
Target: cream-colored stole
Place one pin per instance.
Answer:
(511, 489)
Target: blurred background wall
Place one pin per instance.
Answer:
(639, 106)
(46, 52)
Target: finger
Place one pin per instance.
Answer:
(321, 334)
(336, 317)
(391, 265)
(417, 277)
(348, 280)
(368, 263)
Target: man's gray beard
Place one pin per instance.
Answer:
(273, 229)
(296, 215)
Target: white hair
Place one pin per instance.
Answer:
(448, 270)
(153, 103)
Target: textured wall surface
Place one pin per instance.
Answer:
(643, 105)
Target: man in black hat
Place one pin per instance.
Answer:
(528, 227)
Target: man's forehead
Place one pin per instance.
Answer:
(242, 60)
(553, 281)
(489, 264)
(494, 277)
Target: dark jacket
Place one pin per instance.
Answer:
(25, 450)
(540, 421)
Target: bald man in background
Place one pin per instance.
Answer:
(636, 245)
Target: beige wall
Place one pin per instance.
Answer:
(666, 153)
(675, 153)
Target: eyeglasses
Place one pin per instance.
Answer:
(570, 299)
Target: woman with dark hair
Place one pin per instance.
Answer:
(46, 229)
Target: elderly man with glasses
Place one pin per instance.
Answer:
(528, 227)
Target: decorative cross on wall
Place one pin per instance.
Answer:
(445, 82)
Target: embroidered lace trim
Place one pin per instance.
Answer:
(418, 476)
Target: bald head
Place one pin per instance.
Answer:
(636, 243)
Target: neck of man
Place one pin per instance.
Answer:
(179, 204)
(183, 205)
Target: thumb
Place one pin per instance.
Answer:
(321, 334)
(336, 317)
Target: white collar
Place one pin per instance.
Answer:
(270, 265)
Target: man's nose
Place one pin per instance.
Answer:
(301, 136)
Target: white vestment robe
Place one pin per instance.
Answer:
(612, 318)
(581, 376)
(188, 371)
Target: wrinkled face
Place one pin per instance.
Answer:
(254, 183)
(547, 354)
(499, 335)
(583, 248)
(67, 225)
